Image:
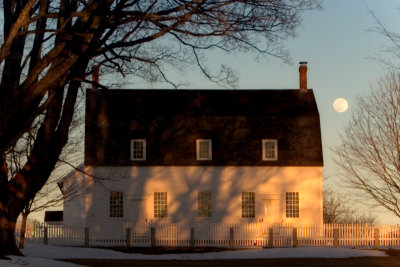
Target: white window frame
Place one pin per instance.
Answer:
(204, 204)
(198, 154)
(275, 142)
(133, 141)
(116, 209)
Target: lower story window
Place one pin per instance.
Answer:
(248, 205)
(204, 204)
(116, 204)
(292, 205)
(160, 204)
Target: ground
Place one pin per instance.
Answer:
(392, 261)
(56, 256)
(351, 262)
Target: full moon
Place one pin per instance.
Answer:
(340, 105)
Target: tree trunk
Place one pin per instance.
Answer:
(23, 229)
(50, 140)
(8, 245)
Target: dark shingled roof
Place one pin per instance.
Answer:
(172, 120)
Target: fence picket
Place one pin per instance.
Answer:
(245, 235)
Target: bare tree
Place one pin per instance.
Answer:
(49, 196)
(49, 46)
(369, 154)
(339, 209)
(390, 54)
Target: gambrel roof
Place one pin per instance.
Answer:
(172, 120)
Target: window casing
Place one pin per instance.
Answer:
(248, 204)
(270, 149)
(138, 149)
(292, 205)
(204, 149)
(116, 204)
(204, 204)
(160, 205)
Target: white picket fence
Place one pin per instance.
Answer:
(243, 235)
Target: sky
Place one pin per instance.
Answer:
(340, 46)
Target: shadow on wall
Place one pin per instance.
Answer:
(182, 185)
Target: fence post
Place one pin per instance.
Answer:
(87, 237)
(153, 236)
(295, 237)
(192, 237)
(231, 238)
(376, 238)
(335, 237)
(46, 236)
(128, 237)
(23, 230)
(271, 237)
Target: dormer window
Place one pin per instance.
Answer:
(138, 149)
(270, 149)
(204, 149)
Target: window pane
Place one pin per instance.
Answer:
(203, 149)
(160, 204)
(204, 204)
(292, 205)
(138, 147)
(203, 146)
(248, 205)
(270, 149)
(116, 204)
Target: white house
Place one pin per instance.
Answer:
(199, 155)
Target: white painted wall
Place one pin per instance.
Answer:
(138, 184)
(74, 192)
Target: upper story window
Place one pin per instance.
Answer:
(138, 149)
(116, 204)
(270, 149)
(204, 149)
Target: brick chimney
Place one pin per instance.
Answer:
(303, 76)
(95, 77)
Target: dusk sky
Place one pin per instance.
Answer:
(339, 46)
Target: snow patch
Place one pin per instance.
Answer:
(45, 256)
(17, 261)
(54, 252)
